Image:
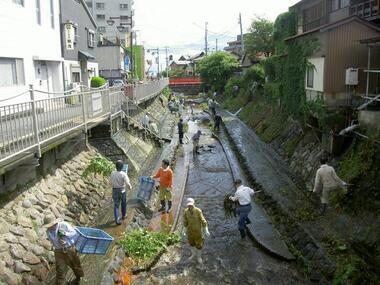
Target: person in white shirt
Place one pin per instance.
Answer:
(120, 183)
(243, 195)
(326, 181)
(145, 121)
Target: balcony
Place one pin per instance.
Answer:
(367, 9)
(109, 41)
(313, 24)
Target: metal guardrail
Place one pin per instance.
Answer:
(26, 127)
(142, 92)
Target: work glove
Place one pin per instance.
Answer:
(206, 233)
(183, 232)
(231, 198)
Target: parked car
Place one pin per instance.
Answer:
(118, 83)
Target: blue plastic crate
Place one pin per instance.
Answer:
(92, 241)
(145, 190)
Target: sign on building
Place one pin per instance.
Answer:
(69, 35)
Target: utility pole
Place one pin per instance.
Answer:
(241, 36)
(216, 44)
(158, 62)
(206, 43)
(167, 61)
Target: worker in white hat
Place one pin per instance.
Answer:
(195, 223)
(63, 236)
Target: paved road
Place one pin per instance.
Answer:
(225, 261)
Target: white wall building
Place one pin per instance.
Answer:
(315, 78)
(30, 49)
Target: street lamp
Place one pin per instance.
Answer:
(121, 28)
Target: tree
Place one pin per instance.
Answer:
(217, 68)
(260, 37)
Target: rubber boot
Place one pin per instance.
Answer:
(193, 253)
(323, 209)
(169, 207)
(243, 240)
(242, 234)
(199, 256)
(162, 209)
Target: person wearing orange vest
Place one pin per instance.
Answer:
(165, 174)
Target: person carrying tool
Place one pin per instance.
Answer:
(120, 181)
(326, 181)
(62, 235)
(195, 224)
(212, 105)
(180, 131)
(243, 196)
(165, 174)
(196, 137)
(217, 122)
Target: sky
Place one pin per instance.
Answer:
(180, 25)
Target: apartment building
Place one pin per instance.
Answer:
(315, 13)
(78, 43)
(30, 49)
(114, 18)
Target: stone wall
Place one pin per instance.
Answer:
(25, 252)
(302, 151)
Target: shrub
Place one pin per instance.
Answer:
(97, 81)
(233, 81)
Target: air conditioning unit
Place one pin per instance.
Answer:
(352, 76)
(74, 85)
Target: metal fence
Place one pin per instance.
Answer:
(144, 91)
(26, 127)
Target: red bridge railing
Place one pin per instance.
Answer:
(184, 81)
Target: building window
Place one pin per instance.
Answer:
(100, 6)
(344, 3)
(124, 18)
(19, 2)
(52, 13)
(89, 4)
(12, 72)
(310, 77)
(100, 17)
(101, 29)
(91, 39)
(123, 6)
(75, 33)
(38, 11)
(339, 4)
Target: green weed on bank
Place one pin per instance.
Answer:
(143, 245)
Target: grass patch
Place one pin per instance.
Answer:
(203, 106)
(290, 145)
(351, 269)
(144, 245)
(360, 166)
(99, 165)
(306, 214)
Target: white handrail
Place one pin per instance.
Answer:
(28, 125)
(15, 96)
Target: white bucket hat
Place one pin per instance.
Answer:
(190, 202)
